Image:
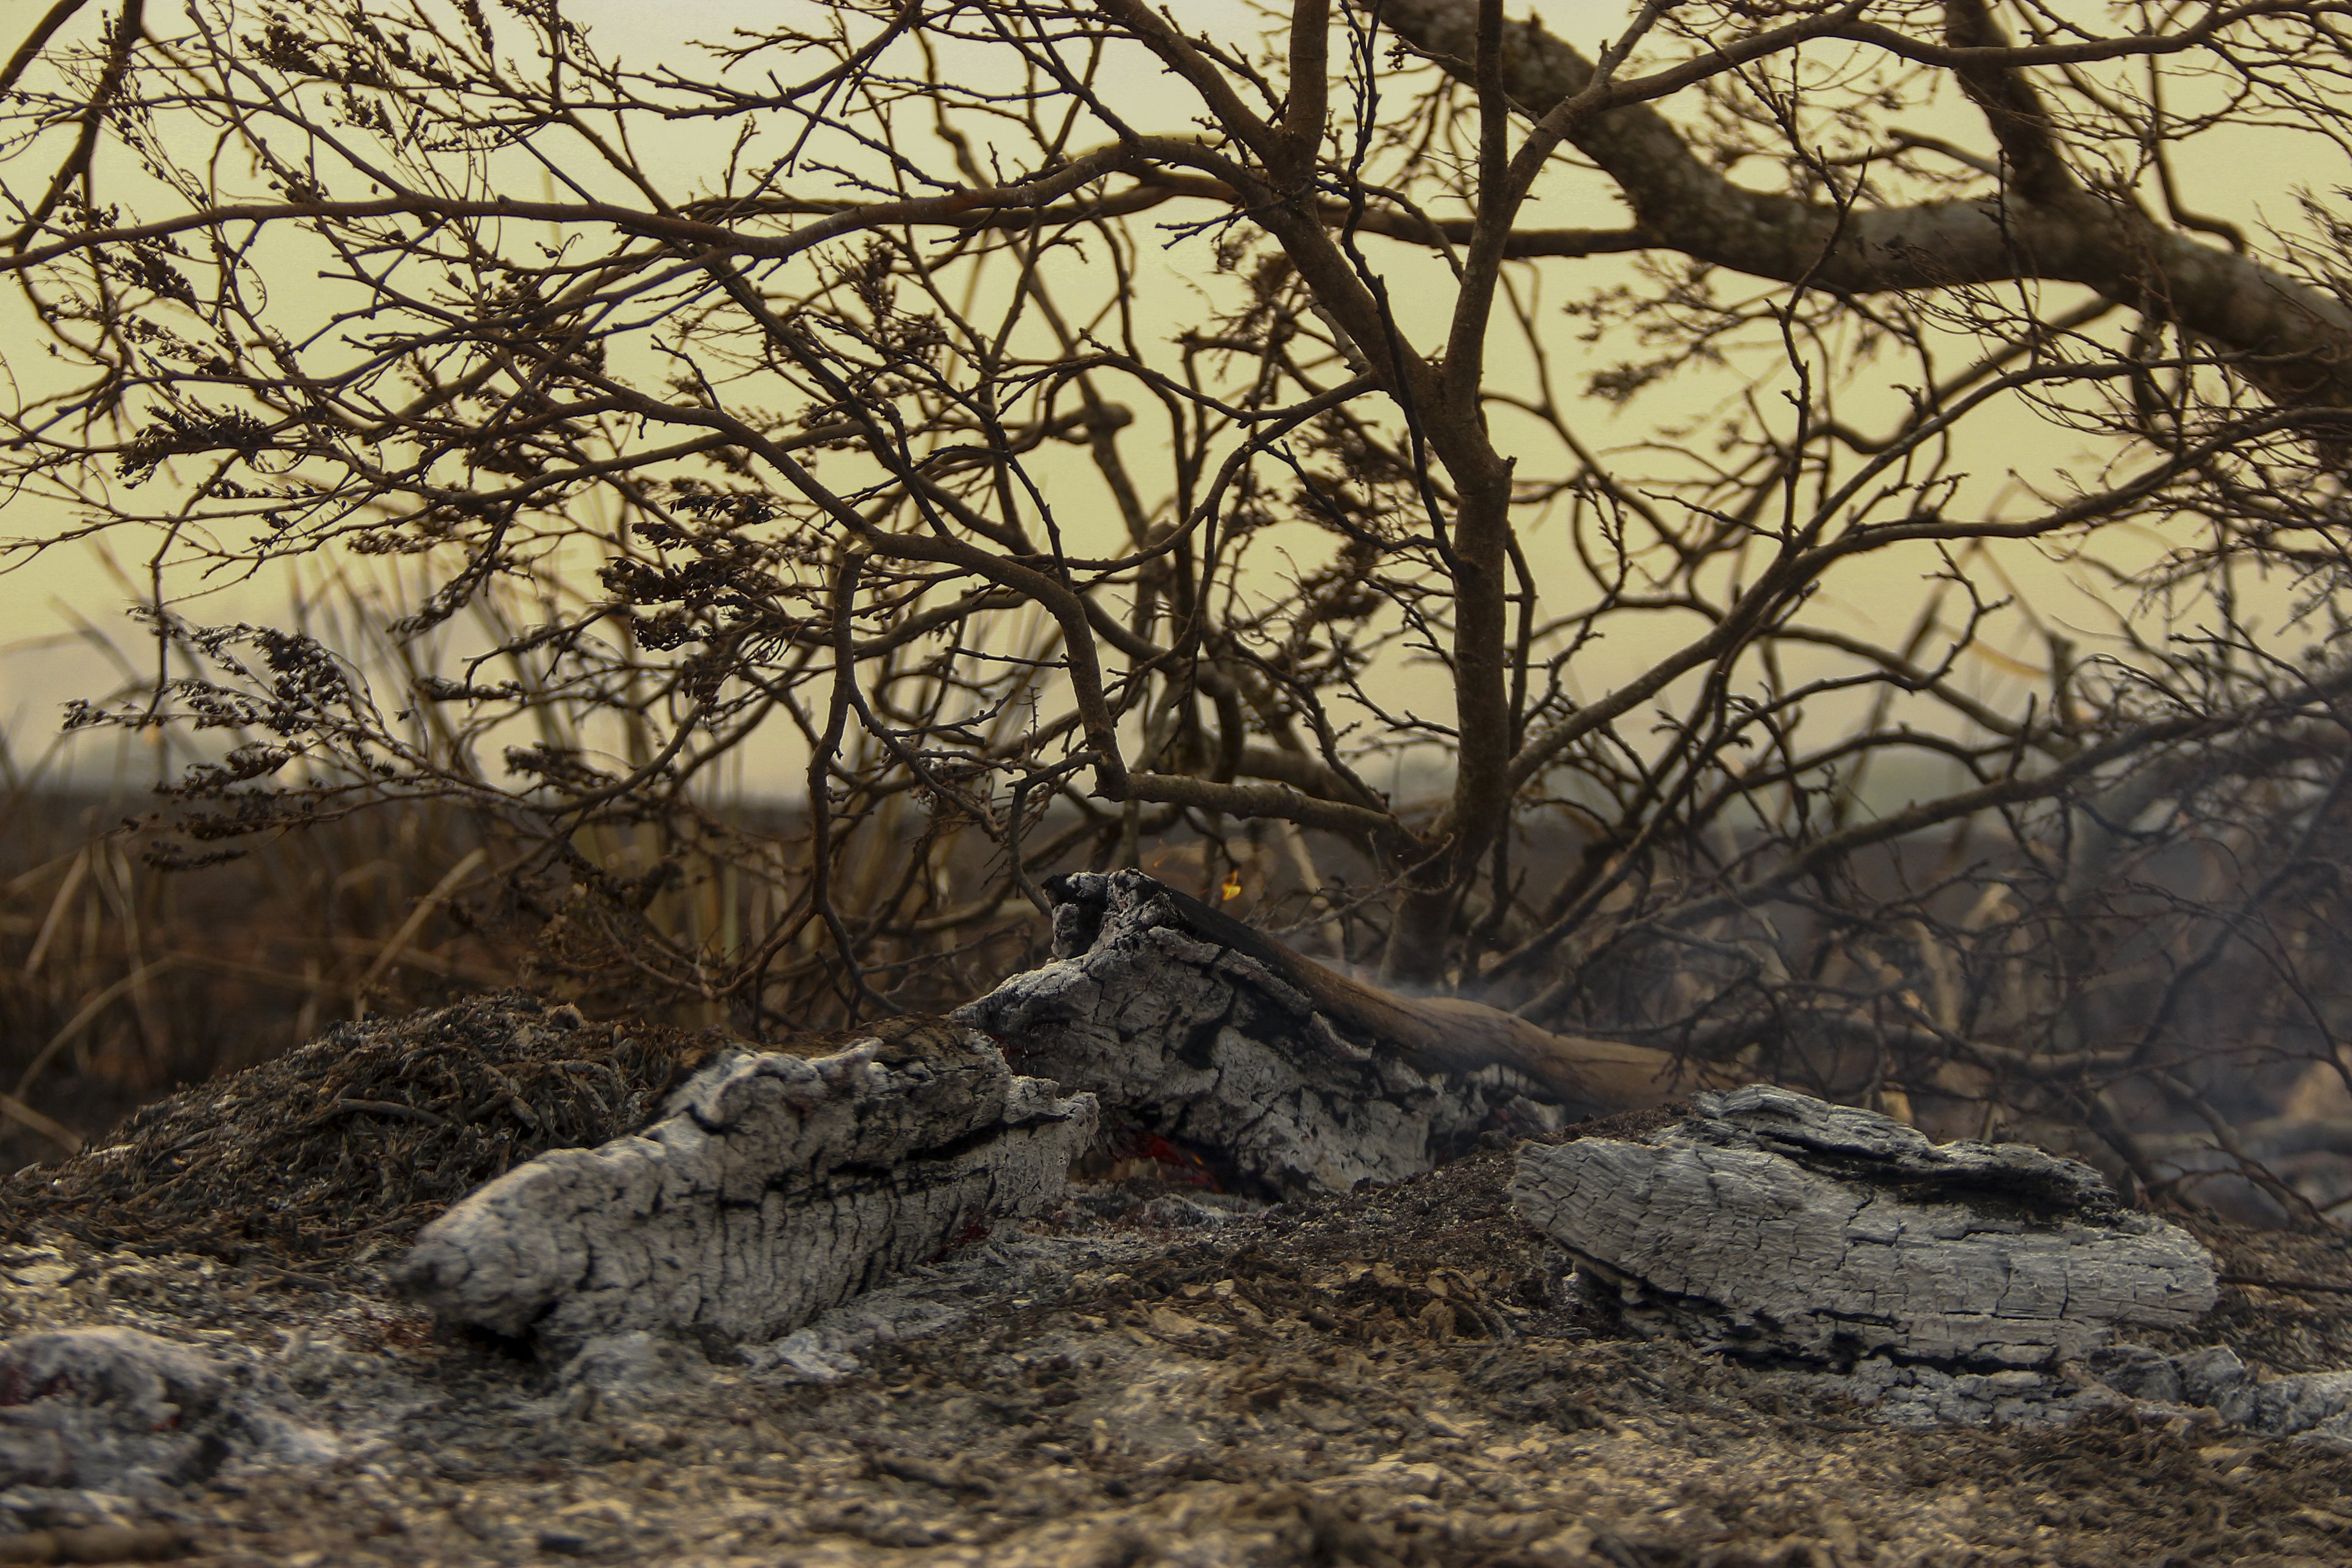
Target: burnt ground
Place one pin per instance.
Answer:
(1391, 1378)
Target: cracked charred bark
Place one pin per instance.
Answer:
(777, 1186)
(1789, 1229)
(1187, 1024)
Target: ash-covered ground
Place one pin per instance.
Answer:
(1146, 1376)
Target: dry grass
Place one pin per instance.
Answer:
(119, 981)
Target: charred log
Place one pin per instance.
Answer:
(777, 1186)
(1208, 1032)
(1805, 1232)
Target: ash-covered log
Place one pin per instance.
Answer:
(1190, 1025)
(1791, 1230)
(776, 1186)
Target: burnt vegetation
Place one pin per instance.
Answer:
(1042, 439)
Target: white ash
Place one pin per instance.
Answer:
(775, 1188)
(2315, 1405)
(2213, 1383)
(1017, 1266)
(1009, 1270)
(111, 1409)
(115, 1414)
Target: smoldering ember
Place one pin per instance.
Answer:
(1181, 1248)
